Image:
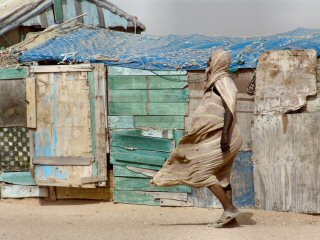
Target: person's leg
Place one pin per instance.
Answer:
(228, 191)
(226, 200)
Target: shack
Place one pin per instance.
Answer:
(20, 17)
(151, 87)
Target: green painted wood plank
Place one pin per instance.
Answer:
(142, 184)
(178, 134)
(143, 96)
(123, 171)
(13, 73)
(125, 109)
(165, 122)
(127, 82)
(147, 143)
(128, 96)
(121, 163)
(93, 123)
(135, 197)
(113, 70)
(169, 95)
(147, 82)
(131, 132)
(167, 109)
(115, 122)
(136, 151)
(17, 178)
(58, 11)
(144, 159)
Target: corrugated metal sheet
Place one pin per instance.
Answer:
(40, 13)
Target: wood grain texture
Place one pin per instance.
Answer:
(279, 85)
(12, 103)
(63, 126)
(18, 191)
(105, 194)
(125, 109)
(17, 178)
(63, 161)
(286, 162)
(146, 82)
(143, 96)
(31, 102)
(162, 122)
(13, 73)
(99, 72)
(142, 184)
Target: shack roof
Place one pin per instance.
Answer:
(40, 12)
(188, 52)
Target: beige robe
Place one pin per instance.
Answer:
(198, 160)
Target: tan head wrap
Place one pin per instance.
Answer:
(219, 66)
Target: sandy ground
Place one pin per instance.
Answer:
(79, 220)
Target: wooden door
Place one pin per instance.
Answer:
(69, 139)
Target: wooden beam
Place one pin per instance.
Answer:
(13, 73)
(31, 102)
(61, 68)
(17, 191)
(58, 11)
(63, 161)
(105, 194)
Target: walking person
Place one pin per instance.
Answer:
(204, 157)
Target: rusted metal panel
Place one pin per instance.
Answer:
(284, 80)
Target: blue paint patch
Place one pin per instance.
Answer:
(43, 144)
(60, 174)
(242, 180)
(44, 172)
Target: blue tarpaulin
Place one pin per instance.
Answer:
(171, 52)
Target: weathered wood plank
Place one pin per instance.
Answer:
(58, 11)
(127, 109)
(100, 108)
(31, 102)
(61, 68)
(146, 82)
(18, 191)
(13, 73)
(124, 171)
(137, 165)
(137, 151)
(166, 122)
(142, 184)
(13, 103)
(17, 178)
(115, 122)
(286, 162)
(143, 159)
(105, 194)
(174, 203)
(283, 71)
(164, 95)
(146, 172)
(138, 72)
(147, 143)
(135, 197)
(63, 161)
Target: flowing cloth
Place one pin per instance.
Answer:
(198, 160)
